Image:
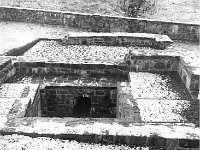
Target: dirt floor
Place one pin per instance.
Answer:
(174, 10)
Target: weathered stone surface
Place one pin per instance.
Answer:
(127, 108)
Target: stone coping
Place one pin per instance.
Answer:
(18, 90)
(100, 126)
(157, 37)
(19, 108)
(58, 81)
(4, 61)
(87, 14)
(24, 59)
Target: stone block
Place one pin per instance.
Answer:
(100, 66)
(120, 139)
(75, 66)
(156, 141)
(65, 65)
(89, 138)
(40, 64)
(137, 140)
(106, 139)
(159, 65)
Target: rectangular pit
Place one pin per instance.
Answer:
(75, 101)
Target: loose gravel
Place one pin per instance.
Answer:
(19, 142)
(166, 85)
(161, 97)
(54, 50)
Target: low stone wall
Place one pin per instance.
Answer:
(100, 23)
(34, 106)
(165, 63)
(119, 39)
(106, 131)
(21, 50)
(26, 101)
(190, 80)
(127, 109)
(58, 101)
(6, 69)
(152, 63)
(90, 70)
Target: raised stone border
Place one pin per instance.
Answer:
(119, 39)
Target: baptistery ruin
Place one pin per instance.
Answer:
(67, 86)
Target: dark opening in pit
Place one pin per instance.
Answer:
(82, 106)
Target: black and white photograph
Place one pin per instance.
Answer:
(99, 74)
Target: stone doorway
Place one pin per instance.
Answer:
(82, 107)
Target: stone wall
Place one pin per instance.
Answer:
(85, 70)
(59, 101)
(191, 80)
(20, 50)
(127, 109)
(6, 69)
(152, 63)
(34, 106)
(26, 99)
(100, 23)
(119, 39)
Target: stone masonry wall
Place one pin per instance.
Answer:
(117, 39)
(152, 63)
(165, 63)
(6, 69)
(91, 70)
(100, 23)
(191, 80)
(127, 108)
(59, 101)
(34, 107)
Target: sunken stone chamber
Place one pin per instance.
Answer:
(76, 101)
(73, 90)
